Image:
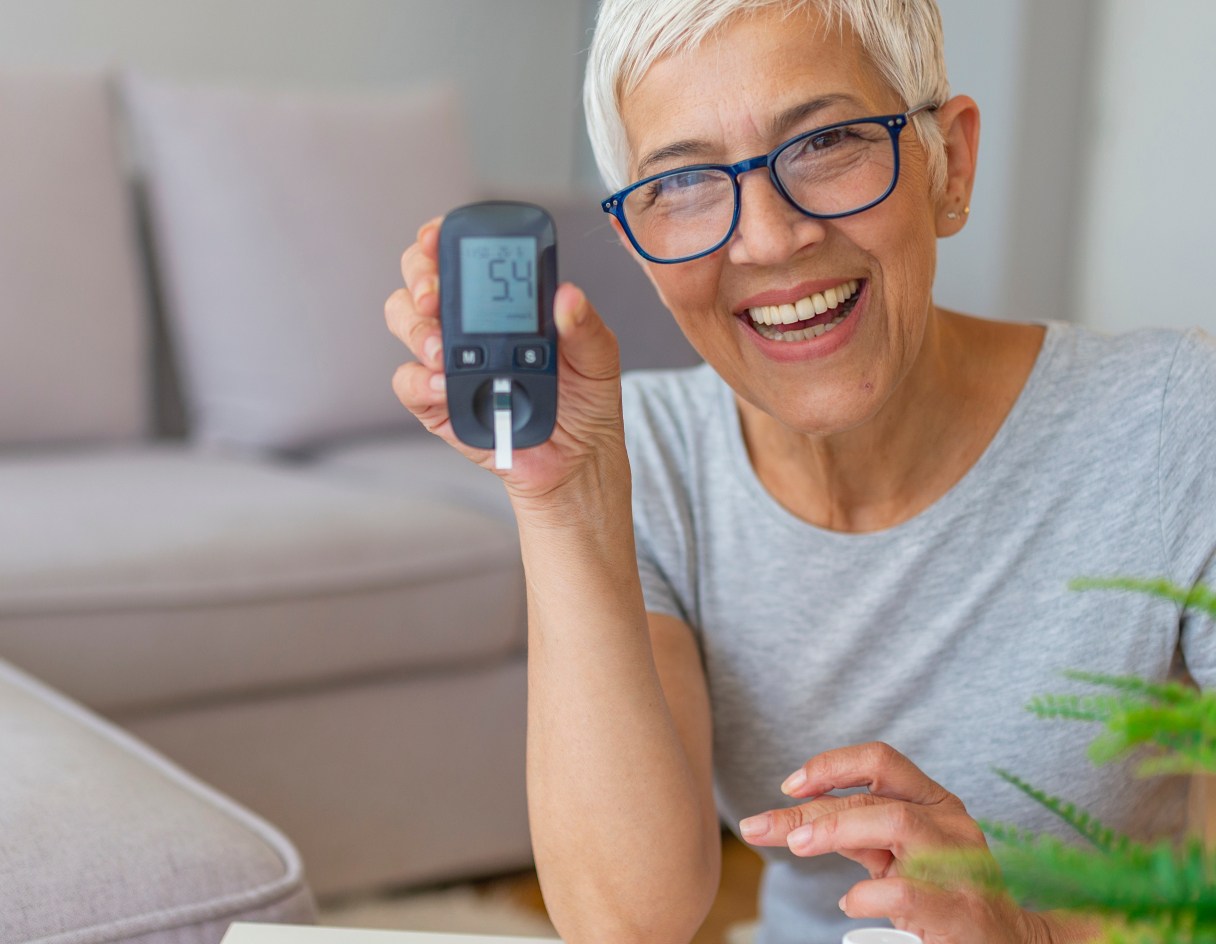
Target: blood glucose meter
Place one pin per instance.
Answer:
(497, 277)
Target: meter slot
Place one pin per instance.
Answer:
(503, 426)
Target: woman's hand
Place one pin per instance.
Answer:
(588, 425)
(905, 816)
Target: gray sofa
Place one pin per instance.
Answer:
(101, 840)
(220, 530)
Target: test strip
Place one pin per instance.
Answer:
(502, 422)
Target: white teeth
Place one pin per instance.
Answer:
(770, 319)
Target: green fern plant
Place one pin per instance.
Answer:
(1158, 893)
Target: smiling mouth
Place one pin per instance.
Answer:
(808, 317)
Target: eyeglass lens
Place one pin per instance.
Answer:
(830, 172)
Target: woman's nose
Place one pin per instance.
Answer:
(770, 229)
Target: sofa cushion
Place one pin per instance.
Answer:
(391, 782)
(105, 841)
(73, 338)
(426, 466)
(279, 227)
(160, 575)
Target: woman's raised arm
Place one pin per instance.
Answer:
(619, 784)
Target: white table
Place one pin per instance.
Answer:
(247, 933)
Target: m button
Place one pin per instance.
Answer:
(470, 357)
(531, 356)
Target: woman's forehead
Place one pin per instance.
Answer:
(747, 85)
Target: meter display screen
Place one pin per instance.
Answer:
(498, 285)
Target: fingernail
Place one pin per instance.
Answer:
(793, 781)
(754, 827)
(432, 346)
(439, 383)
(580, 310)
(840, 904)
(800, 837)
(427, 286)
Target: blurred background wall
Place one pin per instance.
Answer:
(1149, 208)
(513, 60)
(1095, 161)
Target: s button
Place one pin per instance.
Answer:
(531, 356)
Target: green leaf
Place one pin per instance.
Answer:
(1198, 597)
(1088, 826)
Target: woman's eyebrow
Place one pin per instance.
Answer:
(678, 149)
(780, 124)
(777, 128)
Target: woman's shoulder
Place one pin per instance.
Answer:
(1149, 391)
(1143, 356)
(1101, 373)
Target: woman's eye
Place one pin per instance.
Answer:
(675, 185)
(825, 139)
(682, 181)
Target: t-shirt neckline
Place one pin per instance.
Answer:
(970, 482)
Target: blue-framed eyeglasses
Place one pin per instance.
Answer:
(829, 172)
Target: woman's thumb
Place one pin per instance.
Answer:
(585, 341)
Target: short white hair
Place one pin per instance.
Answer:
(903, 39)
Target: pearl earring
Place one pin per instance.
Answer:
(952, 215)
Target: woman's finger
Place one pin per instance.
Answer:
(875, 765)
(937, 915)
(911, 902)
(877, 862)
(586, 343)
(421, 334)
(772, 827)
(901, 828)
(422, 392)
(420, 268)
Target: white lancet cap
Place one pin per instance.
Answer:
(880, 936)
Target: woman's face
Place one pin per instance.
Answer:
(739, 95)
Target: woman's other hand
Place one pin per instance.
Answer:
(905, 816)
(588, 375)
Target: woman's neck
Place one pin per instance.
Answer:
(932, 430)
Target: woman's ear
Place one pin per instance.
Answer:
(959, 120)
(646, 266)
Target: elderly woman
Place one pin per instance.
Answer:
(852, 528)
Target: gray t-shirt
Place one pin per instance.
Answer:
(933, 635)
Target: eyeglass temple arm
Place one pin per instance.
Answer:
(927, 106)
